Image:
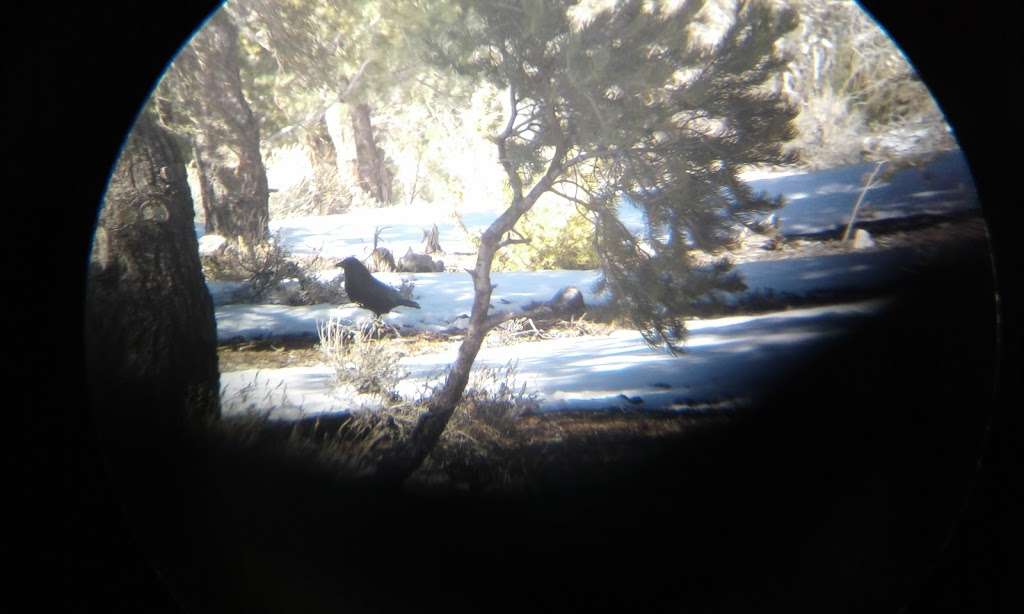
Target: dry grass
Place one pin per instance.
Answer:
(362, 358)
(496, 441)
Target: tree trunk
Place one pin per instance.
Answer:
(371, 171)
(324, 159)
(404, 460)
(150, 349)
(226, 135)
(149, 325)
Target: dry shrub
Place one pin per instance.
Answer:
(482, 449)
(356, 448)
(267, 268)
(260, 264)
(560, 237)
(830, 132)
(520, 330)
(361, 359)
(324, 195)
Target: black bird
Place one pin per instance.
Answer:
(370, 293)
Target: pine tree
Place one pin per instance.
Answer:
(628, 106)
(623, 105)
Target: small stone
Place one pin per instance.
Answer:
(568, 300)
(862, 239)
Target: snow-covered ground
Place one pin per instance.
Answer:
(821, 200)
(445, 298)
(727, 359)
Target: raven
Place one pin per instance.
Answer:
(364, 289)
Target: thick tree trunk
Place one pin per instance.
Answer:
(226, 136)
(324, 159)
(149, 324)
(371, 171)
(151, 355)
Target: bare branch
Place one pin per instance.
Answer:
(502, 141)
(507, 242)
(355, 81)
(376, 234)
(513, 106)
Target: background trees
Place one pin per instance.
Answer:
(854, 88)
(201, 98)
(326, 54)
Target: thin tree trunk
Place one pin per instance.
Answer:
(149, 325)
(860, 200)
(424, 437)
(371, 171)
(400, 464)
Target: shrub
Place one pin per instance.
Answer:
(495, 398)
(858, 96)
(360, 358)
(483, 446)
(830, 131)
(266, 267)
(263, 266)
(560, 237)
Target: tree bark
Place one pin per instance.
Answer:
(225, 134)
(324, 159)
(372, 173)
(149, 322)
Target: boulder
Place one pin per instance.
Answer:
(862, 239)
(419, 263)
(568, 300)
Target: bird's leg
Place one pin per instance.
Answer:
(384, 325)
(376, 328)
(368, 329)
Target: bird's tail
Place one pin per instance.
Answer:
(409, 303)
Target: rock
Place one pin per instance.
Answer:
(419, 263)
(568, 300)
(862, 239)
